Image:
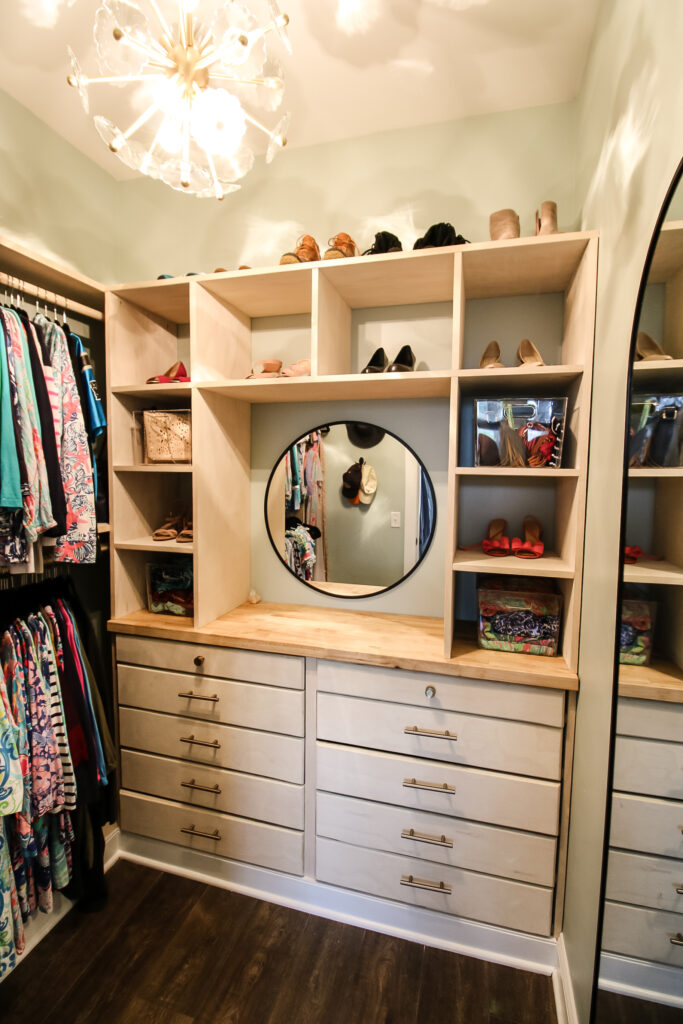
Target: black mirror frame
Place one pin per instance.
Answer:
(426, 476)
(675, 182)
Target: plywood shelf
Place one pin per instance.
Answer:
(652, 571)
(659, 374)
(181, 390)
(509, 565)
(656, 472)
(518, 472)
(49, 275)
(523, 266)
(668, 255)
(419, 384)
(148, 544)
(165, 467)
(516, 379)
(660, 680)
(169, 299)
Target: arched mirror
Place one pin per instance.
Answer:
(641, 960)
(350, 509)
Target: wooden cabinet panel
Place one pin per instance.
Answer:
(204, 659)
(250, 705)
(437, 838)
(217, 789)
(645, 934)
(497, 901)
(246, 750)
(482, 742)
(651, 719)
(647, 766)
(237, 838)
(509, 800)
(646, 825)
(645, 881)
(473, 696)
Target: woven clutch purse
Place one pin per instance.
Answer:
(168, 435)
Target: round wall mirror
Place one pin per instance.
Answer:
(350, 509)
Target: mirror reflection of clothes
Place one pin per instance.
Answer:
(305, 496)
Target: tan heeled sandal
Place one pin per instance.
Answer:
(168, 529)
(186, 535)
(528, 354)
(647, 348)
(490, 358)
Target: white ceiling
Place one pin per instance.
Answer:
(358, 66)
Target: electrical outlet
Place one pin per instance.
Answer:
(395, 518)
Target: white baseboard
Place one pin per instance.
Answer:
(484, 942)
(640, 979)
(565, 1003)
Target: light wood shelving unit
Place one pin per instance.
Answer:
(212, 323)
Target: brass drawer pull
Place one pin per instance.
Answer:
(413, 730)
(676, 940)
(424, 837)
(201, 743)
(204, 789)
(423, 883)
(434, 787)
(190, 695)
(192, 831)
(199, 660)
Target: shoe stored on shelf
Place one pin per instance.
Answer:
(186, 535)
(266, 368)
(384, 242)
(495, 542)
(300, 368)
(503, 224)
(176, 374)
(404, 361)
(532, 545)
(647, 348)
(528, 354)
(378, 362)
(546, 220)
(306, 251)
(438, 235)
(490, 357)
(169, 528)
(342, 246)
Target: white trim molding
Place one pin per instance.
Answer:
(565, 1003)
(641, 979)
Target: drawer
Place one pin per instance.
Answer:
(647, 825)
(436, 838)
(644, 934)
(497, 901)
(648, 766)
(215, 788)
(484, 742)
(243, 750)
(205, 659)
(249, 705)
(645, 881)
(237, 838)
(473, 696)
(509, 800)
(651, 719)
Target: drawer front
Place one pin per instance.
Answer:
(243, 750)
(473, 696)
(645, 934)
(435, 838)
(655, 882)
(647, 825)
(648, 766)
(249, 705)
(204, 659)
(652, 719)
(250, 841)
(483, 742)
(214, 788)
(508, 800)
(497, 901)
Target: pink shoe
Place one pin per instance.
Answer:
(301, 368)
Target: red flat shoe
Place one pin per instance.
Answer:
(176, 374)
(532, 546)
(495, 542)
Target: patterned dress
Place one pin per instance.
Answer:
(11, 798)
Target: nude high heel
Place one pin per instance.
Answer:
(528, 354)
(647, 348)
(490, 357)
(503, 224)
(546, 221)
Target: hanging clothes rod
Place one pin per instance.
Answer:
(49, 297)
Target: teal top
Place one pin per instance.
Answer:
(10, 477)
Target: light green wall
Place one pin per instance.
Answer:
(630, 133)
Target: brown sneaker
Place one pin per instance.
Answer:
(341, 247)
(306, 251)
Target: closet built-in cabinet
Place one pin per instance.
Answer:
(381, 756)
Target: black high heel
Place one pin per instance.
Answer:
(404, 361)
(378, 362)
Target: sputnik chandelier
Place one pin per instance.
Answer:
(195, 76)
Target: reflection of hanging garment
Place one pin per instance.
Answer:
(427, 512)
(300, 548)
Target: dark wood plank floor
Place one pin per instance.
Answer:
(616, 1009)
(167, 950)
